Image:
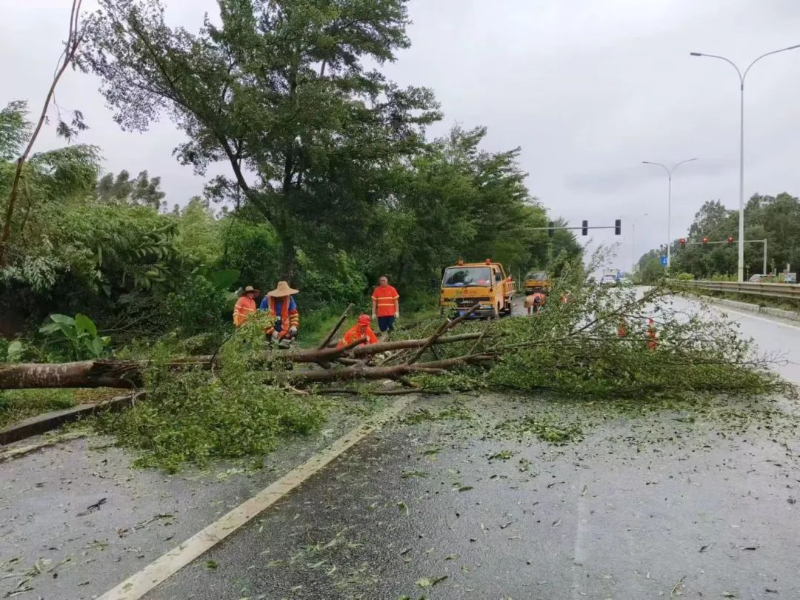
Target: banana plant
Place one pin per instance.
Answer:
(80, 332)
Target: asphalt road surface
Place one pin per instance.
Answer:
(456, 498)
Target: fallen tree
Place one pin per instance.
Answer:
(127, 374)
(603, 343)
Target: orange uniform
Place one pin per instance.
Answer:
(385, 296)
(356, 332)
(244, 308)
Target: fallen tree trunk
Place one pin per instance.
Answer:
(406, 344)
(129, 374)
(353, 373)
(83, 374)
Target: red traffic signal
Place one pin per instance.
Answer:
(683, 242)
(705, 240)
(730, 239)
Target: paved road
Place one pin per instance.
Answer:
(773, 336)
(456, 499)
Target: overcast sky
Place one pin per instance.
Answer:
(588, 88)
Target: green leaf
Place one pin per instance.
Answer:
(85, 324)
(15, 350)
(223, 279)
(62, 320)
(95, 346)
(49, 328)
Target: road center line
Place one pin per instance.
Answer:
(170, 563)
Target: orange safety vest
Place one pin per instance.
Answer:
(356, 332)
(385, 296)
(652, 344)
(290, 317)
(244, 308)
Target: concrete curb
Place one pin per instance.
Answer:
(53, 420)
(789, 315)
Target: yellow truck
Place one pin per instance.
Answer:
(537, 281)
(486, 284)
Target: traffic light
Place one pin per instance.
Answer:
(585, 226)
(705, 240)
(683, 242)
(730, 239)
(550, 229)
(618, 227)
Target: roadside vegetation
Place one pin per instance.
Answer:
(774, 218)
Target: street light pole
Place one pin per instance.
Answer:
(669, 202)
(742, 77)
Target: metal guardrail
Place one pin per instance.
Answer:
(775, 290)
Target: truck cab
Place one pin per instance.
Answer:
(485, 284)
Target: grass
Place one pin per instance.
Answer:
(17, 405)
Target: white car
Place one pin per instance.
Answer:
(608, 280)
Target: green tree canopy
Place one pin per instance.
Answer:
(284, 91)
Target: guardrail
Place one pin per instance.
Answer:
(775, 290)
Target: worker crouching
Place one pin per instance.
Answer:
(534, 302)
(360, 330)
(283, 309)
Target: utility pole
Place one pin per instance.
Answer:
(669, 202)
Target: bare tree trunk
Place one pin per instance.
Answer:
(84, 374)
(71, 47)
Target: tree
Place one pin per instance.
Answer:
(774, 218)
(12, 135)
(142, 191)
(281, 90)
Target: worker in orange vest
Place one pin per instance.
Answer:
(245, 305)
(385, 305)
(652, 344)
(622, 328)
(362, 329)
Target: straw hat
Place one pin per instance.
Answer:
(249, 289)
(282, 290)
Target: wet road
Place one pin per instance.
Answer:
(775, 337)
(651, 506)
(458, 498)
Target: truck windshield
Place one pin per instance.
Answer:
(538, 275)
(467, 277)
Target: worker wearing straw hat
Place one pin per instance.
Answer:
(281, 305)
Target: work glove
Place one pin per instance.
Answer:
(397, 315)
(275, 336)
(292, 330)
(374, 316)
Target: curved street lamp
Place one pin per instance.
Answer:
(742, 77)
(669, 202)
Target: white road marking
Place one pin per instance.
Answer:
(170, 563)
